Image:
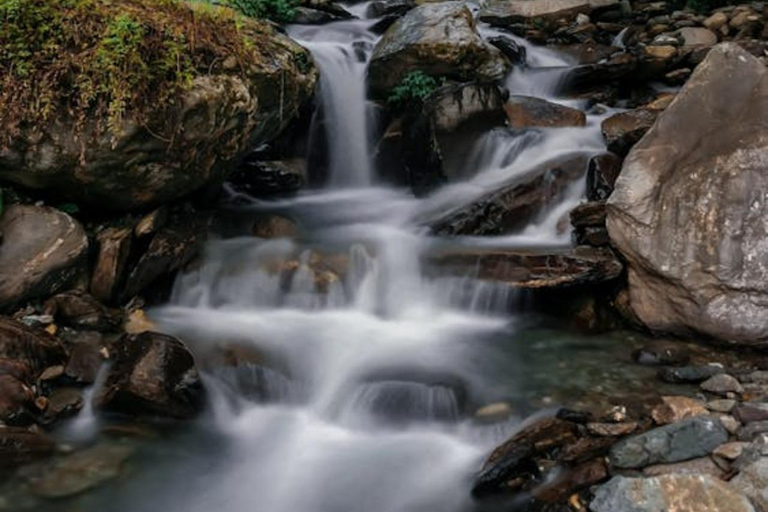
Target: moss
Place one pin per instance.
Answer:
(413, 90)
(99, 61)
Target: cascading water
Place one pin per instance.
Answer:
(369, 367)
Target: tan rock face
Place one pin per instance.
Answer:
(505, 12)
(438, 40)
(689, 206)
(525, 111)
(676, 408)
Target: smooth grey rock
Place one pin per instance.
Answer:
(687, 439)
(688, 211)
(753, 430)
(722, 384)
(669, 493)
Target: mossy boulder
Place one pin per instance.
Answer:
(124, 104)
(439, 40)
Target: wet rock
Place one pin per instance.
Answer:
(274, 226)
(702, 466)
(515, 53)
(750, 412)
(511, 207)
(611, 429)
(687, 439)
(382, 8)
(221, 116)
(42, 251)
(170, 249)
(677, 408)
(109, 272)
(493, 413)
(82, 471)
(580, 417)
(152, 222)
(585, 448)
(752, 480)
(16, 401)
(82, 311)
(259, 179)
(687, 374)
(616, 67)
(19, 445)
(34, 348)
(527, 111)
(456, 107)
(667, 493)
(86, 356)
(152, 374)
(661, 353)
(572, 480)
(438, 40)
(705, 281)
(307, 16)
(529, 269)
(722, 384)
(602, 172)
(622, 131)
(590, 214)
(63, 403)
(542, 435)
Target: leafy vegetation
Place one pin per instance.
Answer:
(98, 60)
(415, 88)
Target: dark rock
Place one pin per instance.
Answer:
(381, 8)
(530, 269)
(590, 214)
(752, 480)
(753, 430)
(86, 357)
(514, 205)
(601, 176)
(170, 250)
(82, 311)
(580, 417)
(515, 53)
(63, 403)
(572, 480)
(612, 429)
(688, 374)
(661, 353)
(34, 348)
(687, 439)
(151, 223)
(438, 40)
(18, 445)
(585, 448)
(527, 111)
(42, 251)
(114, 249)
(152, 374)
(750, 412)
(586, 76)
(663, 494)
(16, 401)
(267, 179)
(722, 384)
(543, 435)
(622, 131)
(592, 236)
(509, 473)
(307, 16)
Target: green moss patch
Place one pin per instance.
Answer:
(98, 61)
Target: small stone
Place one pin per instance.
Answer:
(750, 412)
(760, 376)
(661, 353)
(612, 429)
(685, 374)
(494, 413)
(730, 451)
(580, 417)
(676, 408)
(700, 466)
(731, 424)
(722, 384)
(617, 414)
(52, 373)
(721, 405)
(716, 21)
(753, 430)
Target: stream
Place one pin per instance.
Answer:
(366, 387)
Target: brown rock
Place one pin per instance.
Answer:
(676, 408)
(42, 251)
(527, 111)
(585, 448)
(730, 451)
(18, 445)
(622, 131)
(82, 311)
(601, 176)
(572, 480)
(542, 436)
(16, 401)
(109, 272)
(34, 348)
(750, 412)
(612, 429)
(590, 214)
(701, 466)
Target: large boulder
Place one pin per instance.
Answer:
(439, 40)
(240, 82)
(42, 250)
(507, 12)
(152, 374)
(688, 211)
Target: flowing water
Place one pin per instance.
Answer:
(370, 362)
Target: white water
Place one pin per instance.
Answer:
(369, 380)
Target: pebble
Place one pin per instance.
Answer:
(721, 405)
(750, 412)
(722, 384)
(730, 451)
(611, 429)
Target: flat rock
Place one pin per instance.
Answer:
(730, 451)
(669, 493)
(34, 348)
(750, 412)
(753, 430)
(611, 429)
(534, 270)
(687, 439)
(507, 12)
(42, 251)
(677, 408)
(722, 384)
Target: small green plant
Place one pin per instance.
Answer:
(413, 90)
(283, 11)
